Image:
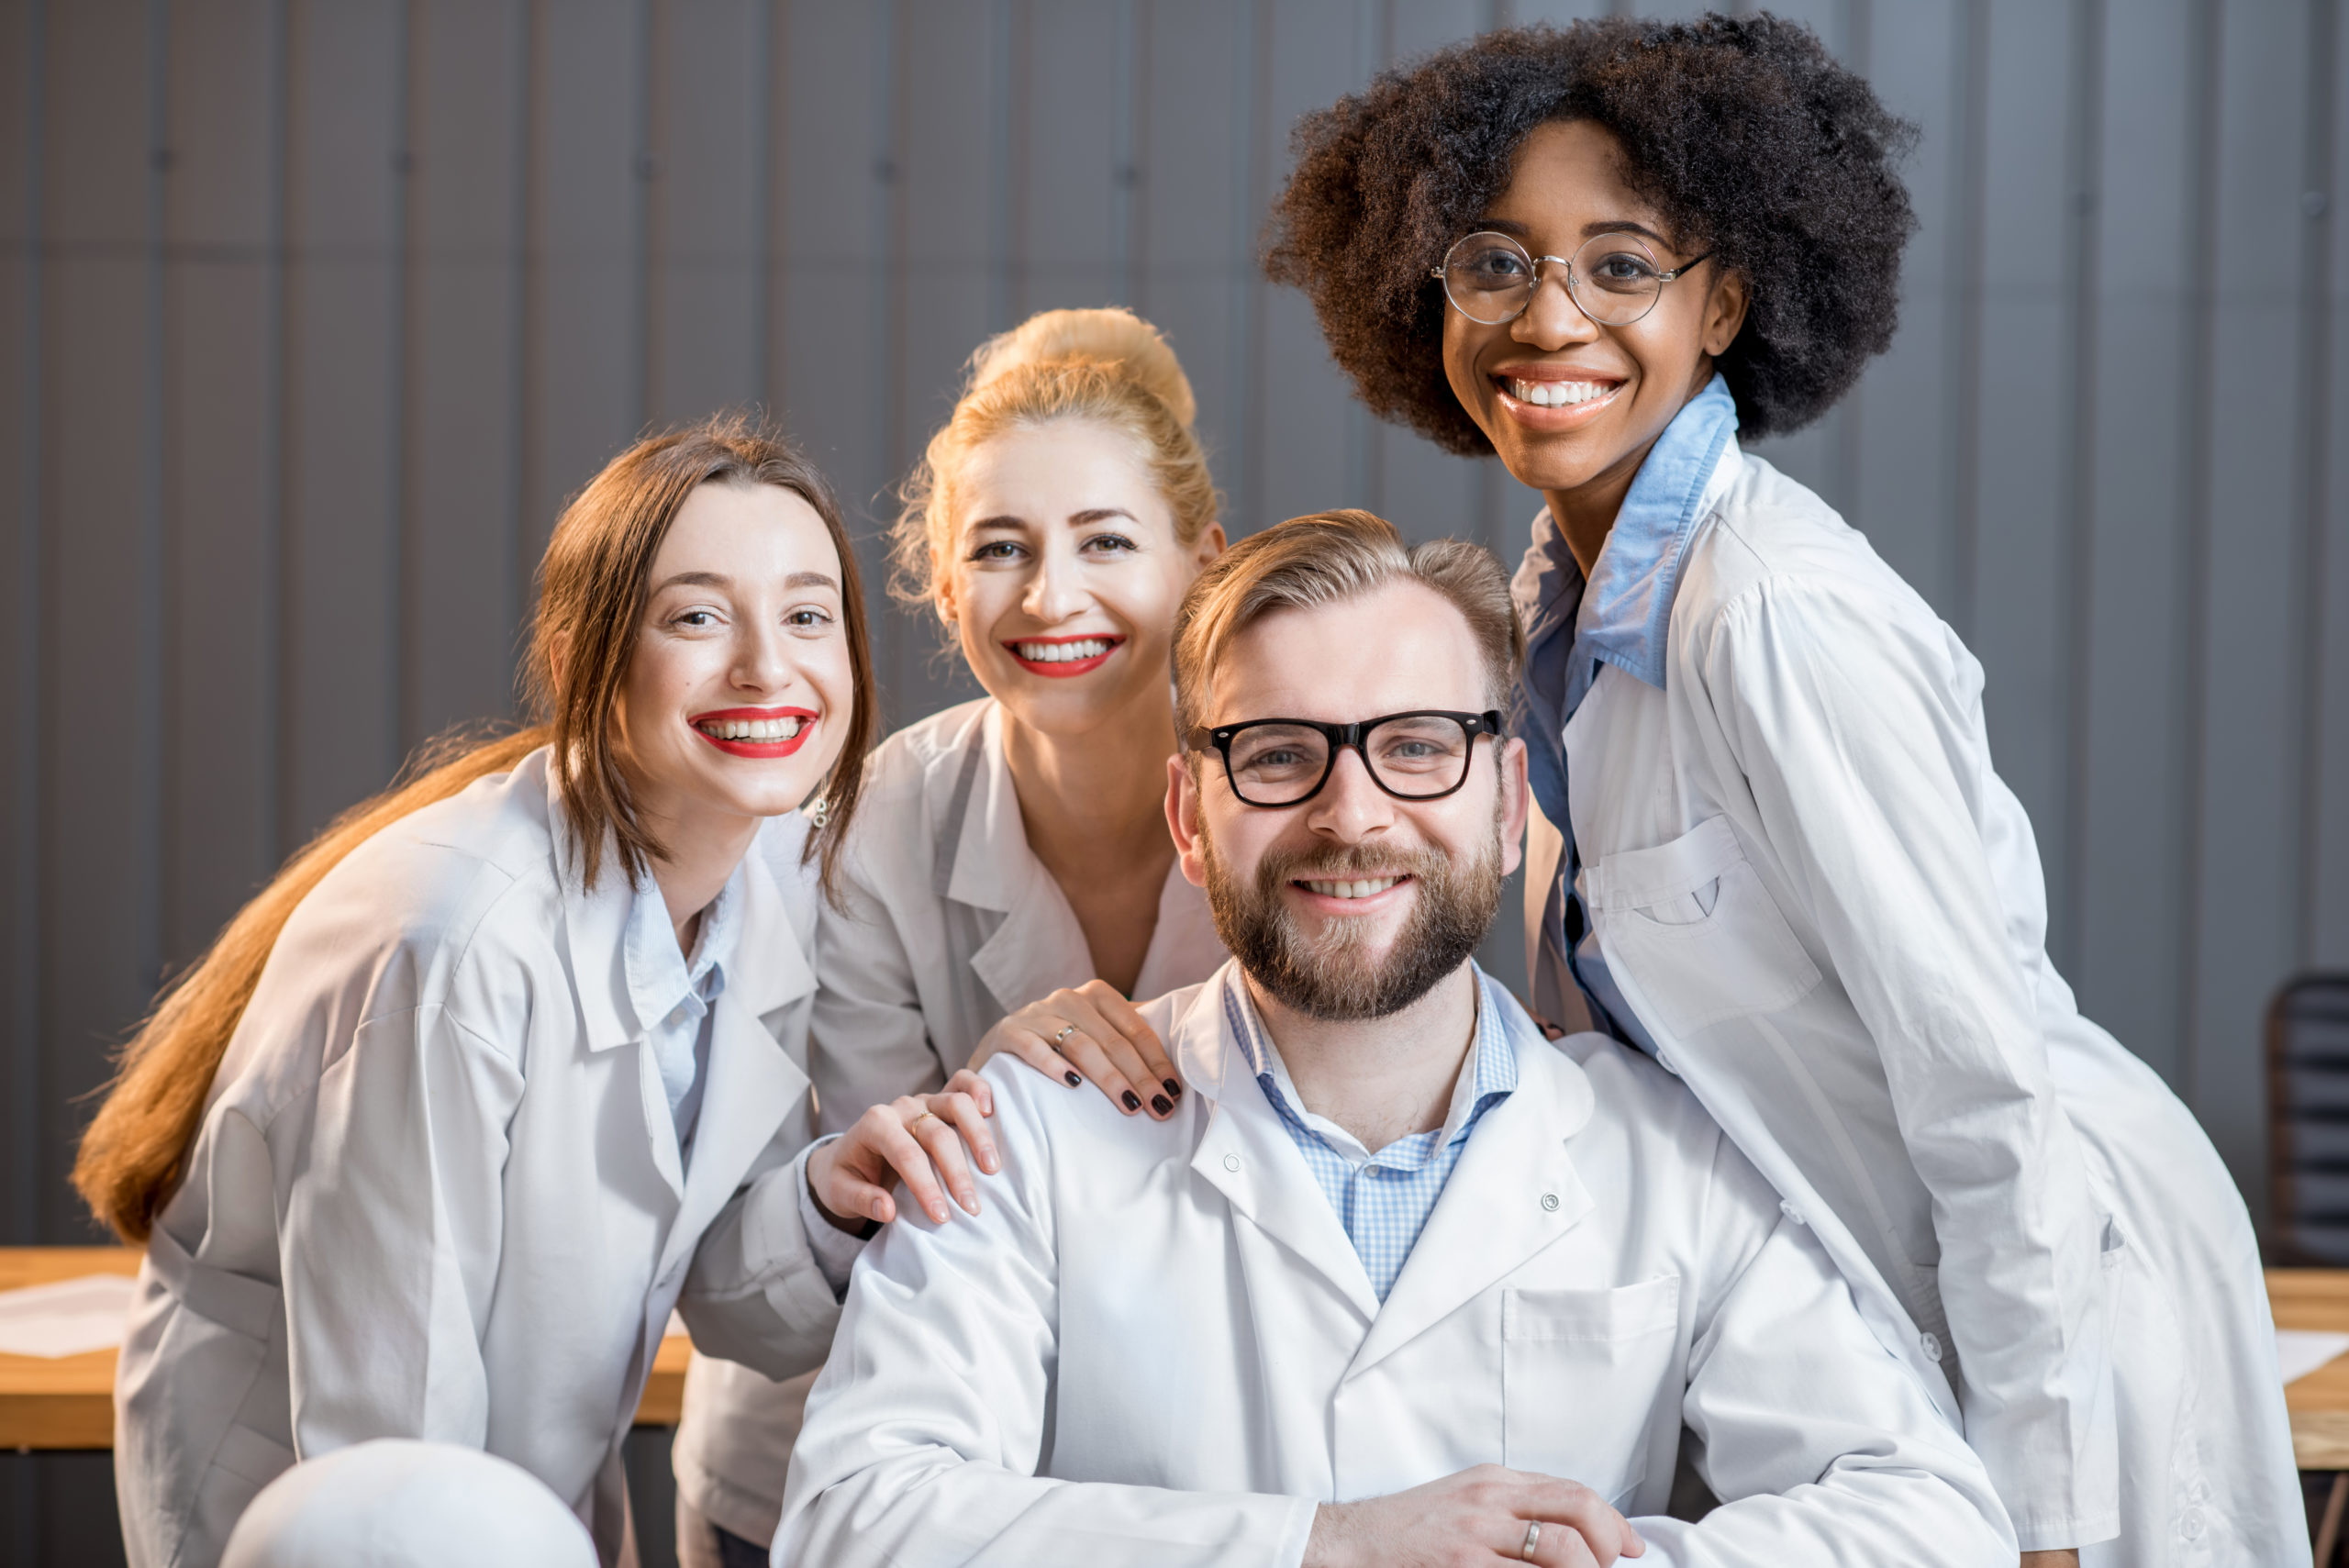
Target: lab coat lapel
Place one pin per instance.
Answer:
(1513, 1194)
(752, 1083)
(984, 862)
(594, 929)
(1248, 1156)
(594, 924)
(769, 969)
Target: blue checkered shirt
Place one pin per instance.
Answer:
(1382, 1199)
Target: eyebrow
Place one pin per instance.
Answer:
(720, 580)
(1076, 519)
(1610, 225)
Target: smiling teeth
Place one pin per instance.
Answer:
(1362, 889)
(1063, 653)
(753, 729)
(1557, 394)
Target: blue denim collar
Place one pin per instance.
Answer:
(1623, 615)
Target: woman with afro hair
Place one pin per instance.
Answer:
(1783, 865)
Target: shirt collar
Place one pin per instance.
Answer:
(660, 976)
(1623, 615)
(1489, 1076)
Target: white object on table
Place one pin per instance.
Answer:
(67, 1317)
(2300, 1352)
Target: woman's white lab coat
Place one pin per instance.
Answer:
(947, 921)
(437, 1191)
(1825, 912)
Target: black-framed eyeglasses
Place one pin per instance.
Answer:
(1613, 278)
(1421, 755)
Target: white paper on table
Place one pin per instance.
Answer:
(68, 1318)
(2301, 1352)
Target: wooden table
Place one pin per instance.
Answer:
(2316, 1298)
(69, 1402)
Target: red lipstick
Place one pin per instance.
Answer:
(746, 746)
(1059, 669)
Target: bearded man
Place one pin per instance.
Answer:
(1402, 1281)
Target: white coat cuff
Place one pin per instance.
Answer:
(835, 1250)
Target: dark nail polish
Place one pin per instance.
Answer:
(1161, 1104)
(1133, 1101)
(1073, 1079)
(1174, 1090)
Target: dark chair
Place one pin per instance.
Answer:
(2308, 1164)
(2307, 1120)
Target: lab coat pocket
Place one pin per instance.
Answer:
(1690, 925)
(1584, 1378)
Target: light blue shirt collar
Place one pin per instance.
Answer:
(660, 976)
(1489, 1075)
(1622, 615)
(673, 994)
(1382, 1201)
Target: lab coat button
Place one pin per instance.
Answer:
(1793, 1214)
(1231, 1162)
(1932, 1342)
(1550, 1202)
(2190, 1526)
(1667, 1064)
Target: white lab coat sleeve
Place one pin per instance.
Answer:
(390, 1233)
(924, 1433)
(756, 1292)
(867, 1043)
(1857, 733)
(1823, 1447)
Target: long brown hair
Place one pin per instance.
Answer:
(592, 587)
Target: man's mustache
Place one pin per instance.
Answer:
(1337, 862)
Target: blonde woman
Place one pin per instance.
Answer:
(484, 1083)
(1012, 850)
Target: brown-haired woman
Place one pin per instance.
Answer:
(489, 1078)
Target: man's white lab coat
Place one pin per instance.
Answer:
(1826, 912)
(1156, 1345)
(437, 1191)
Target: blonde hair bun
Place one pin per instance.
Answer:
(1113, 336)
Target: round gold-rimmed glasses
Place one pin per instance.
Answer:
(1614, 279)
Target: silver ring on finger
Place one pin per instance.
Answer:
(1532, 1540)
(1066, 1031)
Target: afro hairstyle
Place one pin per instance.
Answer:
(1744, 132)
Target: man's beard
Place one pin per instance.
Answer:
(1335, 976)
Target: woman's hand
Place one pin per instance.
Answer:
(1090, 1032)
(903, 1140)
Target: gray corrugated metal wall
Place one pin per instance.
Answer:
(312, 311)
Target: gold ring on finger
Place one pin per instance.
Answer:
(926, 1116)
